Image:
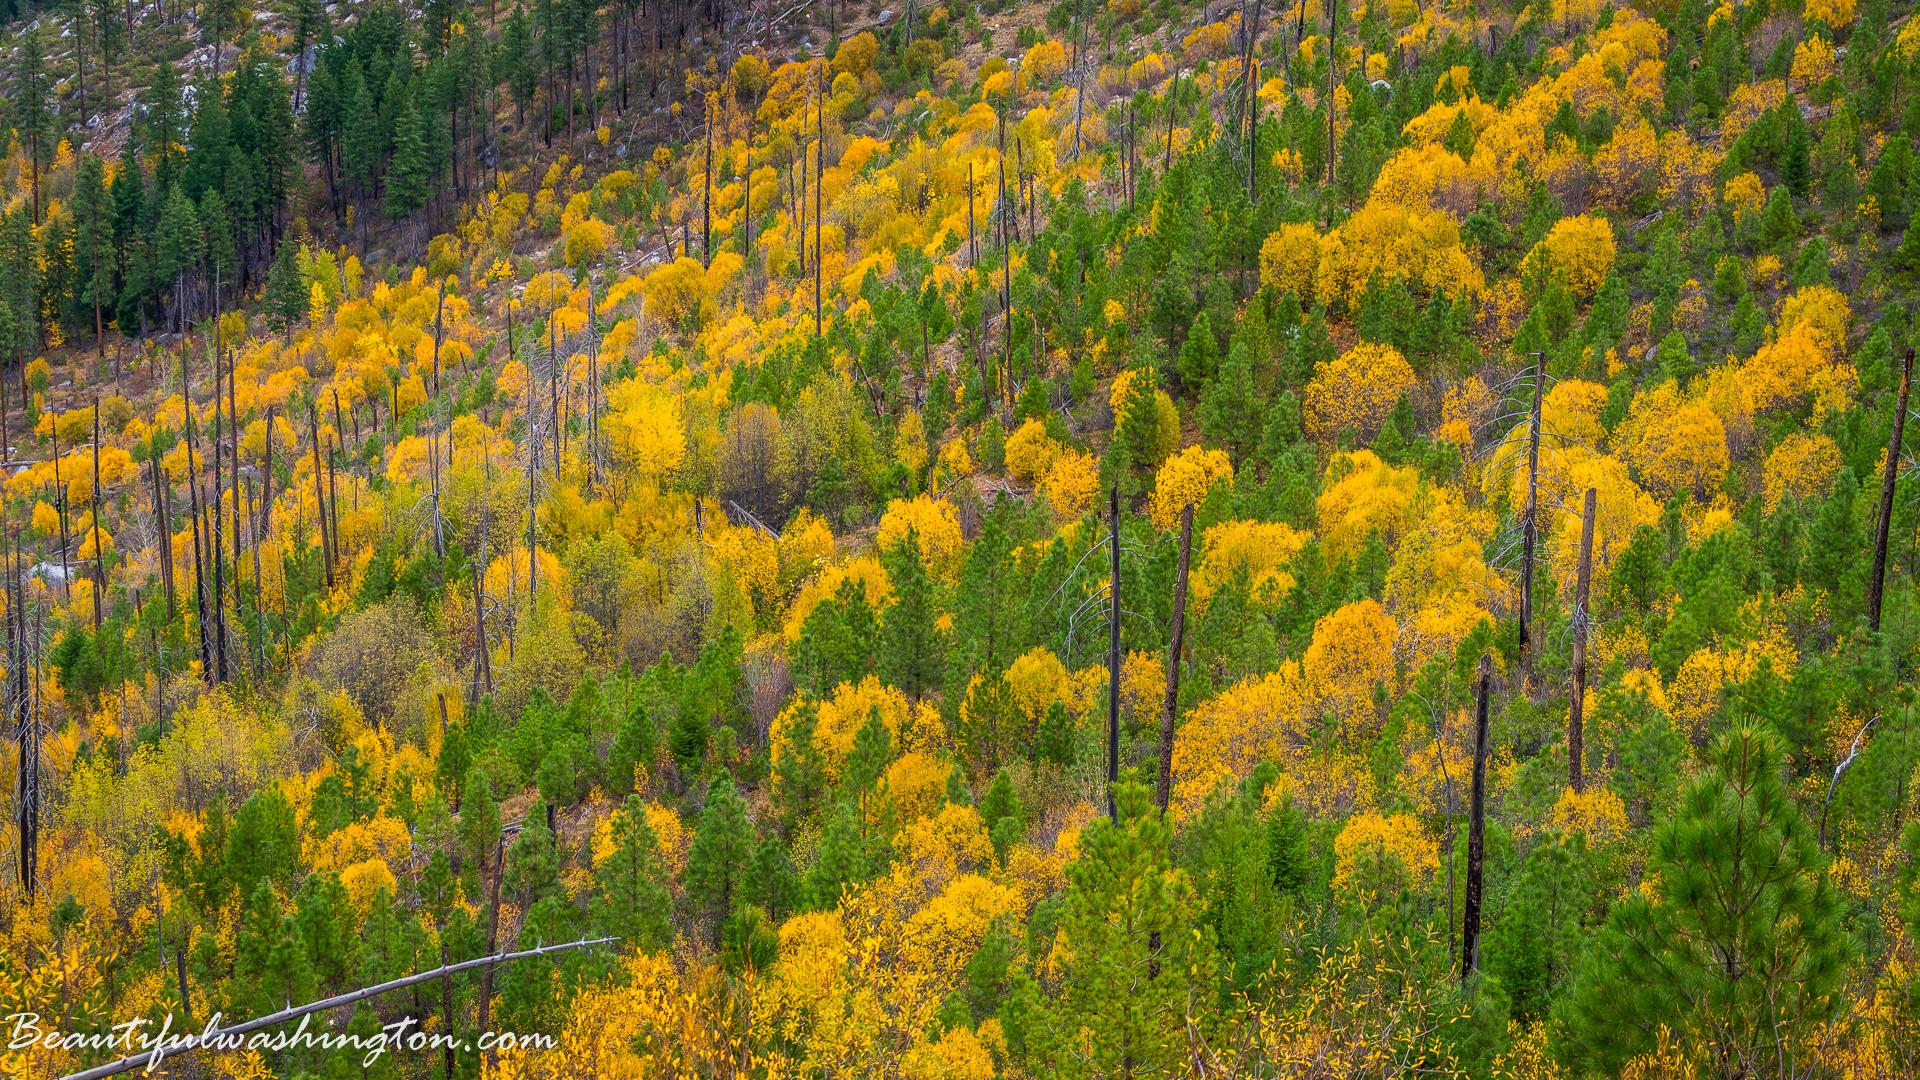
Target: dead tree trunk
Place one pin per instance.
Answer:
(1879, 583)
(1113, 652)
(99, 562)
(1532, 512)
(320, 496)
(1582, 626)
(1476, 828)
(1170, 706)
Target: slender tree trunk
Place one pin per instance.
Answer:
(706, 199)
(216, 545)
(1894, 448)
(1476, 827)
(320, 498)
(99, 562)
(163, 520)
(27, 733)
(819, 199)
(439, 330)
(1333, 38)
(493, 935)
(199, 566)
(333, 504)
(1113, 652)
(1170, 706)
(1533, 507)
(259, 601)
(1582, 627)
(60, 489)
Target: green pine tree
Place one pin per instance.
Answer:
(1739, 946)
(1199, 355)
(839, 861)
(799, 767)
(633, 748)
(721, 855)
(265, 842)
(95, 261)
(633, 902)
(409, 174)
(773, 885)
(479, 826)
(1000, 809)
(910, 640)
(1231, 408)
(1139, 963)
(533, 862)
(287, 293)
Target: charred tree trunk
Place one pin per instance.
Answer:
(1476, 828)
(1113, 651)
(1533, 507)
(1169, 708)
(1879, 582)
(1582, 627)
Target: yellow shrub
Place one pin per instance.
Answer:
(933, 523)
(1803, 465)
(1073, 484)
(1261, 548)
(1351, 653)
(1373, 854)
(1356, 390)
(1187, 477)
(1031, 452)
(1370, 494)
(1581, 247)
(1290, 259)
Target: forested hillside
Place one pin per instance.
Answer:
(1129, 539)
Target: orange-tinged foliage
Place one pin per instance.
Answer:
(1371, 840)
(1395, 241)
(1673, 444)
(1351, 654)
(1356, 391)
(912, 726)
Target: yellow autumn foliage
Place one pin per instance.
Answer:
(1581, 248)
(1356, 390)
(1187, 477)
(1259, 549)
(1373, 850)
(1803, 466)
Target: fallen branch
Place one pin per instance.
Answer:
(213, 1035)
(1852, 752)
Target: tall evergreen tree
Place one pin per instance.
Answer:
(633, 901)
(910, 639)
(286, 299)
(1137, 962)
(799, 767)
(533, 862)
(95, 264)
(32, 117)
(177, 247)
(409, 175)
(1738, 948)
(165, 123)
(721, 854)
(1231, 408)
